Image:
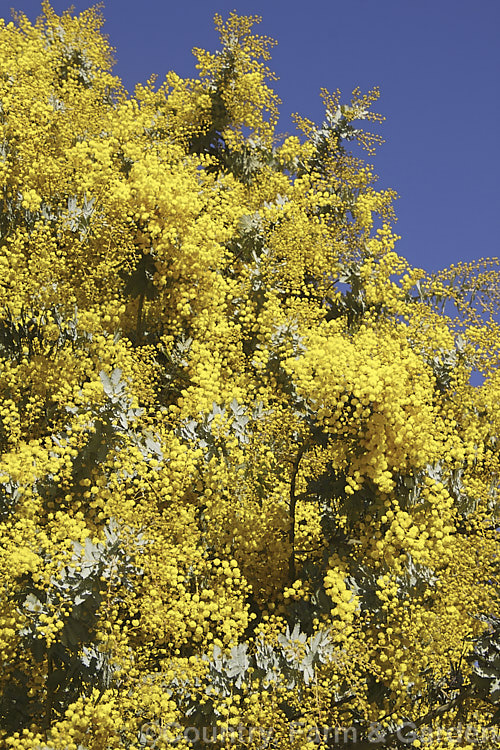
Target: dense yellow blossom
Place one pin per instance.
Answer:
(248, 483)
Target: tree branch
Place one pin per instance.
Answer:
(293, 502)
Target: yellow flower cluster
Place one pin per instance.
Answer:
(345, 602)
(372, 390)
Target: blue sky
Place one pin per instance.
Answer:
(437, 63)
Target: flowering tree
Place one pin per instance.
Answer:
(248, 492)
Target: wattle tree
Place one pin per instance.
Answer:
(248, 475)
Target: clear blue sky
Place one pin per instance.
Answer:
(437, 63)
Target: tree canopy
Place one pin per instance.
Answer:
(248, 455)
